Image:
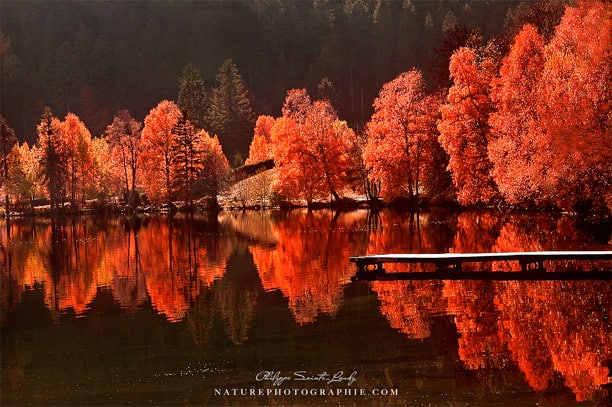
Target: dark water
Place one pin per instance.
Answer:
(242, 308)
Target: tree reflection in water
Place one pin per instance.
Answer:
(196, 268)
(308, 262)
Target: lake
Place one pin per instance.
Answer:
(258, 308)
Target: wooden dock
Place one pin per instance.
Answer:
(449, 266)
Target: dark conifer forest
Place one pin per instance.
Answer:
(94, 58)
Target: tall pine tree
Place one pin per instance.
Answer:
(192, 98)
(230, 115)
(54, 160)
(185, 158)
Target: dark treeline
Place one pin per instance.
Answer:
(94, 58)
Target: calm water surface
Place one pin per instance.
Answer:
(258, 308)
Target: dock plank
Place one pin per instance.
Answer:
(536, 275)
(448, 266)
(437, 257)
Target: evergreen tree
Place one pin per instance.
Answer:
(230, 115)
(185, 158)
(327, 91)
(7, 141)
(192, 98)
(54, 161)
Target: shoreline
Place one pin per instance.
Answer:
(347, 205)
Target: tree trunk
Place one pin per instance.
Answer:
(6, 203)
(133, 201)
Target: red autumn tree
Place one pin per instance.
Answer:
(464, 129)
(261, 149)
(24, 181)
(329, 141)
(296, 105)
(288, 166)
(104, 179)
(312, 154)
(77, 143)
(7, 141)
(123, 136)
(402, 137)
(436, 180)
(156, 156)
(514, 125)
(573, 150)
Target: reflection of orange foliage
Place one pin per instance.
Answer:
(76, 292)
(19, 252)
(309, 262)
(514, 238)
(519, 323)
(67, 270)
(408, 305)
(176, 264)
(471, 302)
(476, 233)
(560, 326)
(122, 271)
(265, 259)
(72, 260)
(405, 233)
(537, 233)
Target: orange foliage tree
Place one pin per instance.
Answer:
(283, 131)
(573, 151)
(156, 156)
(123, 136)
(311, 149)
(24, 182)
(402, 137)
(104, 179)
(260, 148)
(464, 131)
(296, 105)
(7, 141)
(514, 125)
(77, 144)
